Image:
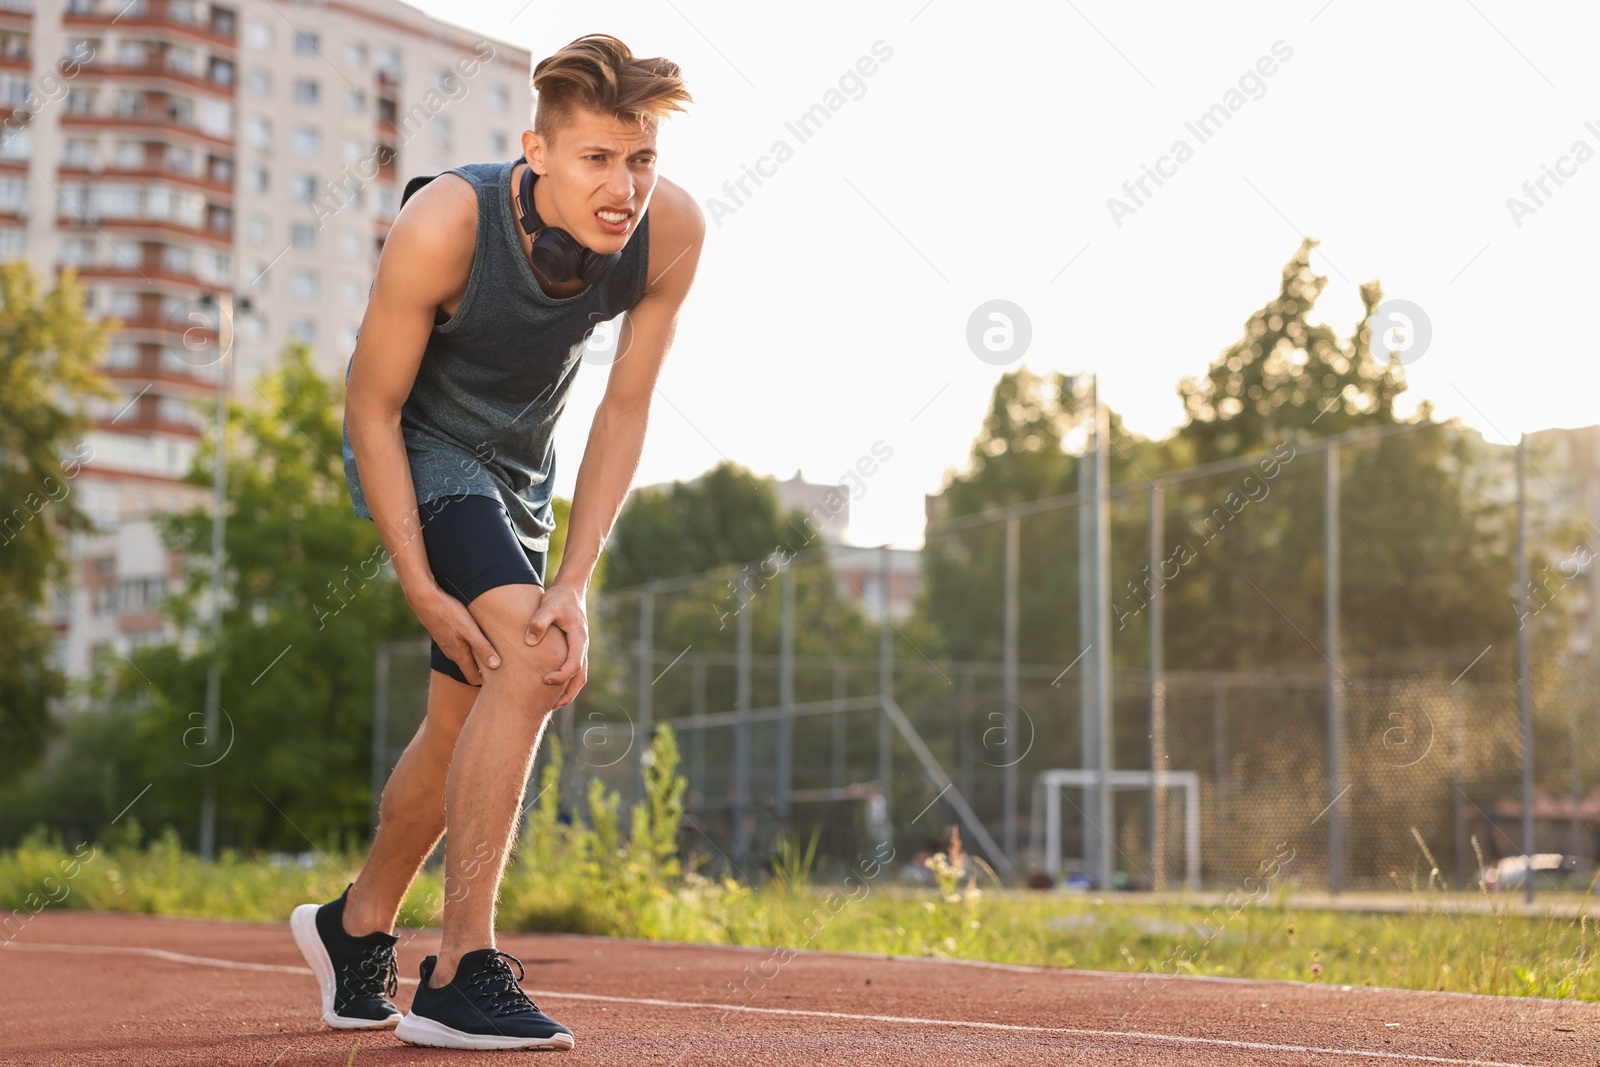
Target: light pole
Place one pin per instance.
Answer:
(224, 302)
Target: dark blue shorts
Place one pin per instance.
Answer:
(472, 549)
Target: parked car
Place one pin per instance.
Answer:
(1551, 870)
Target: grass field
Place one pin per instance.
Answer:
(599, 881)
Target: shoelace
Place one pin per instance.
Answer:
(499, 988)
(377, 974)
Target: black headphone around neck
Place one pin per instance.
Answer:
(556, 253)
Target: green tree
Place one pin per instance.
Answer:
(308, 599)
(726, 516)
(48, 352)
(1029, 448)
(1424, 560)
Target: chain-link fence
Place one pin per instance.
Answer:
(1317, 645)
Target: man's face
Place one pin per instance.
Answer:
(597, 174)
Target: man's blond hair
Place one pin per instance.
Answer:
(600, 73)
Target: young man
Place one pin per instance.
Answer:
(486, 292)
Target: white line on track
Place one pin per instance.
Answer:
(908, 1020)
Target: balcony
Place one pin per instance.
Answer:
(158, 123)
(150, 70)
(219, 34)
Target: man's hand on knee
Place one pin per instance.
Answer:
(561, 610)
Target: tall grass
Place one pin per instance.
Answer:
(598, 874)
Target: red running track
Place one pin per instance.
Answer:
(82, 988)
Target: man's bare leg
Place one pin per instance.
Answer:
(411, 813)
(489, 768)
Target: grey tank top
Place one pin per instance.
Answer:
(494, 378)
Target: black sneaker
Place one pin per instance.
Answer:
(483, 1007)
(358, 975)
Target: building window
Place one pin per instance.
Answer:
(260, 180)
(259, 82)
(258, 131)
(124, 355)
(303, 188)
(179, 160)
(352, 245)
(303, 235)
(357, 100)
(177, 260)
(13, 242)
(388, 61)
(75, 153)
(354, 295)
(306, 91)
(498, 145)
(259, 36)
(16, 144)
(303, 330)
(499, 98)
(306, 140)
(80, 101)
(129, 155)
(258, 229)
(355, 54)
(77, 251)
(216, 117)
(306, 44)
(303, 284)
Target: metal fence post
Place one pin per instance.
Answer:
(1088, 735)
(1224, 761)
(885, 689)
(836, 723)
(1524, 681)
(646, 664)
(1458, 754)
(965, 750)
(741, 736)
(1158, 696)
(785, 689)
(1335, 694)
(1104, 701)
(697, 742)
(1010, 625)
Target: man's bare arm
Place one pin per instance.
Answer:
(425, 263)
(616, 438)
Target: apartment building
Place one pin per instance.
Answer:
(170, 149)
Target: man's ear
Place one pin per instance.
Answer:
(533, 149)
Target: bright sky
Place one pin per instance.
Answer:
(975, 163)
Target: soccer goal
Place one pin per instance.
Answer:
(1047, 787)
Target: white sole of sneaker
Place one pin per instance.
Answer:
(303, 924)
(416, 1030)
